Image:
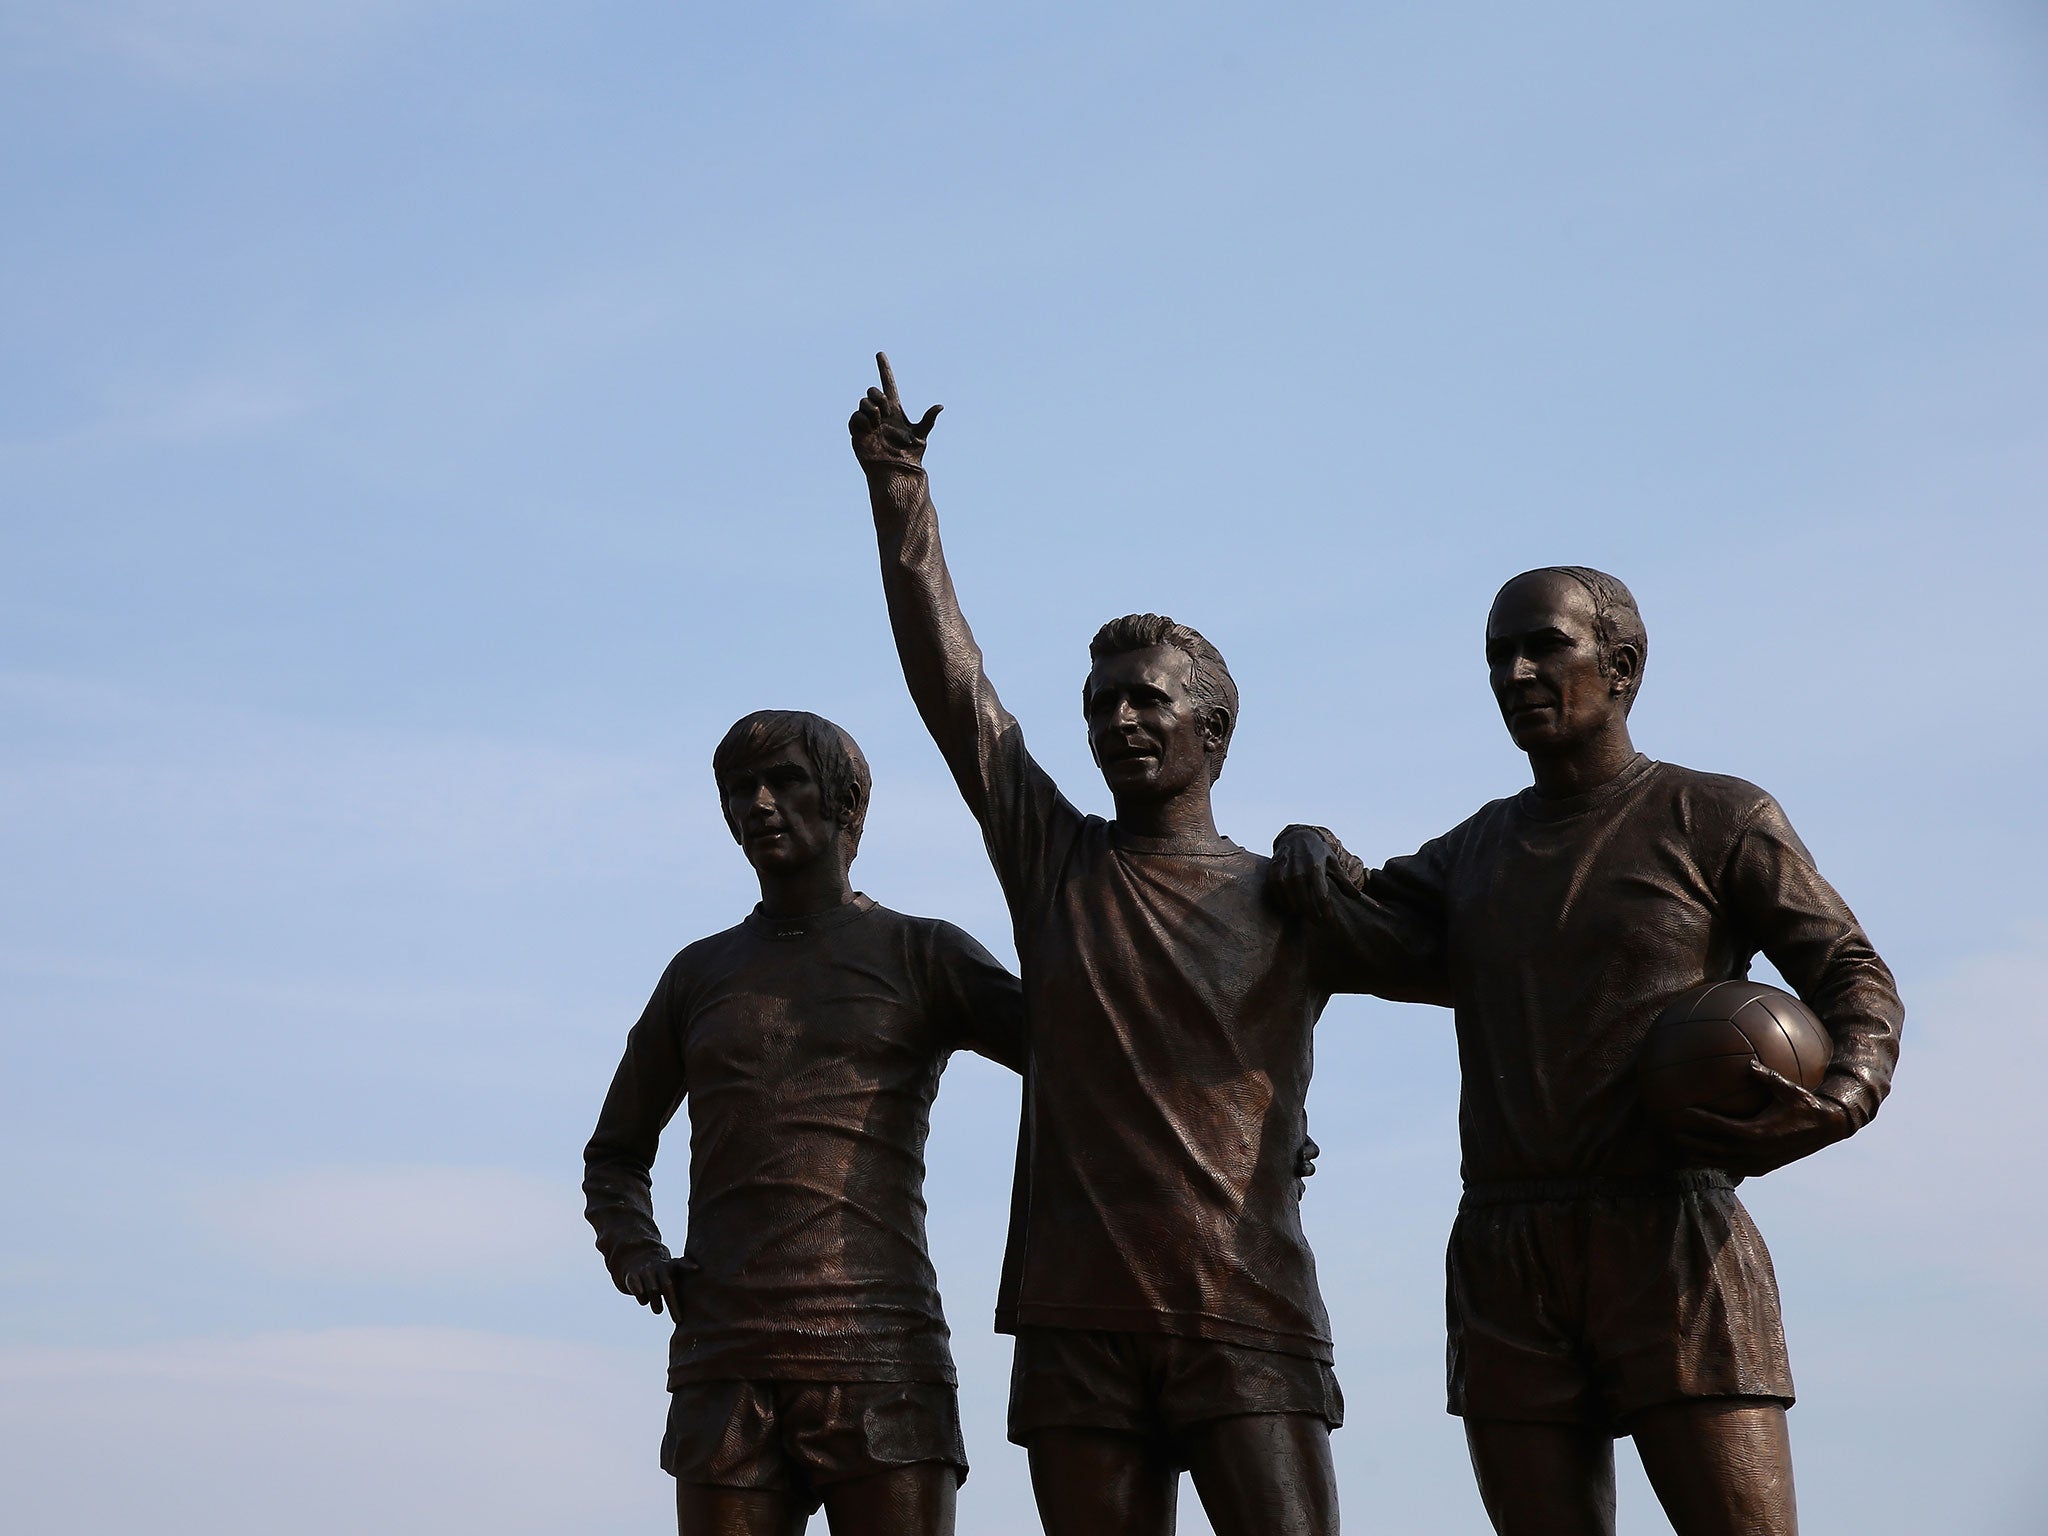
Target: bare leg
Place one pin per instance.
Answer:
(917, 1500)
(1543, 1479)
(1722, 1466)
(1095, 1482)
(1265, 1474)
(705, 1510)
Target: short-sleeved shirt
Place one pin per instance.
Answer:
(1567, 925)
(1169, 1012)
(810, 1051)
(1172, 1012)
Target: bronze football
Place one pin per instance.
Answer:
(1697, 1054)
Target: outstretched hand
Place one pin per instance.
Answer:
(1305, 862)
(884, 436)
(1796, 1123)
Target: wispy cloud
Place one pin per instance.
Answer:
(219, 407)
(262, 795)
(397, 1224)
(212, 409)
(338, 1431)
(211, 42)
(331, 1433)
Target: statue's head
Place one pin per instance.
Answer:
(1160, 706)
(1565, 647)
(794, 788)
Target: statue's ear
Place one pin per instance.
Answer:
(1624, 667)
(1215, 721)
(850, 808)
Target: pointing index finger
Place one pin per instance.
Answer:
(888, 378)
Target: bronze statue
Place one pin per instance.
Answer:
(810, 1361)
(1161, 1291)
(1604, 1280)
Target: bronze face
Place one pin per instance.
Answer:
(1149, 735)
(1543, 660)
(776, 809)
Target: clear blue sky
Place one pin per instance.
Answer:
(422, 432)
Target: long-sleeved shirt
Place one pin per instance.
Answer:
(1169, 1014)
(1559, 929)
(810, 1050)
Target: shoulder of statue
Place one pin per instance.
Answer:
(1725, 799)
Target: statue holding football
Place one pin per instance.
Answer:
(1593, 934)
(1621, 1073)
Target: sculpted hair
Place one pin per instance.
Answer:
(1209, 679)
(1616, 621)
(844, 783)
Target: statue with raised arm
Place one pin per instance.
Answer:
(1158, 1282)
(1604, 1280)
(810, 1362)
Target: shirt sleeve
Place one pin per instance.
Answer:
(1025, 821)
(646, 1091)
(1389, 939)
(979, 1004)
(1783, 907)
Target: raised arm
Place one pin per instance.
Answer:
(1010, 796)
(941, 662)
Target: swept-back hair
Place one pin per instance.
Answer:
(1209, 679)
(844, 783)
(1616, 620)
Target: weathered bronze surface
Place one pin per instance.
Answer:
(1604, 1280)
(810, 1361)
(1163, 1296)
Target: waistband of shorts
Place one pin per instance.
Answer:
(1554, 1191)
